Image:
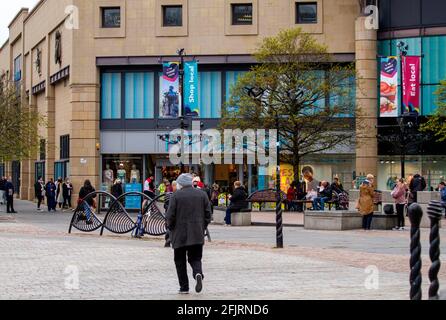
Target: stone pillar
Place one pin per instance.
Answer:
(50, 112)
(366, 99)
(84, 137)
(28, 169)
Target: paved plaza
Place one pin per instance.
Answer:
(40, 260)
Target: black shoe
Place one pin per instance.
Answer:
(199, 286)
(167, 245)
(183, 291)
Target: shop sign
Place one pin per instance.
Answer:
(191, 107)
(411, 83)
(170, 97)
(389, 87)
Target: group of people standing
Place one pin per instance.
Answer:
(57, 193)
(7, 194)
(404, 194)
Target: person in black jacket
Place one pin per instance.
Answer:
(50, 191)
(325, 194)
(238, 202)
(2, 190)
(188, 217)
(418, 183)
(85, 191)
(9, 196)
(39, 189)
(67, 191)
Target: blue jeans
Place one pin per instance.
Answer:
(319, 203)
(367, 221)
(228, 218)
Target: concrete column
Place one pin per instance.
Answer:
(366, 98)
(84, 137)
(50, 113)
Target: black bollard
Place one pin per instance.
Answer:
(415, 214)
(435, 212)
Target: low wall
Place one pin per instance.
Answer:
(238, 219)
(345, 220)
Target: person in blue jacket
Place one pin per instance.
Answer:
(442, 189)
(50, 190)
(9, 190)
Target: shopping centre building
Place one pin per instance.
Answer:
(94, 68)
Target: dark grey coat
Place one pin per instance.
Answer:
(188, 216)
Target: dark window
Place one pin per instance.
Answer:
(65, 147)
(306, 12)
(242, 14)
(111, 17)
(18, 68)
(172, 16)
(42, 150)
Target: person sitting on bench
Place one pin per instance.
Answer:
(238, 202)
(325, 194)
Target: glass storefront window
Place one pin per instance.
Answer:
(128, 169)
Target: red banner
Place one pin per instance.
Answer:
(411, 83)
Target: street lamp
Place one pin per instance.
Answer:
(257, 94)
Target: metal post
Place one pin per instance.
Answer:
(434, 211)
(415, 214)
(279, 221)
(181, 110)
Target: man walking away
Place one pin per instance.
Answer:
(10, 196)
(418, 183)
(188, 217)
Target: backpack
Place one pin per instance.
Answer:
(388, 209)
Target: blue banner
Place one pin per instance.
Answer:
(191, 107)
(133, 202)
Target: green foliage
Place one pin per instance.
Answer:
(294, 78)
(437, 123)
(18, 125)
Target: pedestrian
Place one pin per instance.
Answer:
(85, 191)
(442, 189)
(39, 191)
(50, 191)
(399, 195)
(291, 197)
(238, 202)
(162, 187)
(188, 217)
(59, 192)
(9, 187)
(90, 202)
(116, 189)
(214, 195)
(365, 202)
(325, 194)
(417, 183)
(67, 191)
(169, 188)
(149, 187)
(166, 207)
(3, 190)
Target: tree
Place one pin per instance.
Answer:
(437, 123)
(297, 85)
(18, 125)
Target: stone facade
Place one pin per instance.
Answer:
(72, 105)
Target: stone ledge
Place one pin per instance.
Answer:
(345, 220)
(239, 219)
